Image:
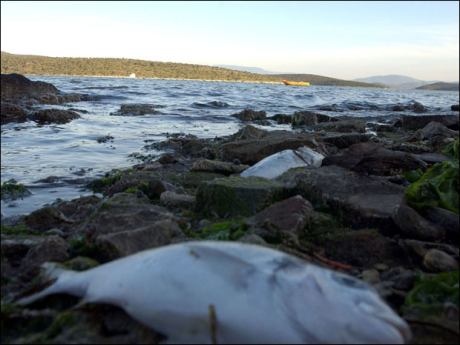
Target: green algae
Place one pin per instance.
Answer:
(20, 229)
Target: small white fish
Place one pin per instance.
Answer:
(226, 292)
(273, 166)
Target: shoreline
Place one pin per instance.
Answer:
(155, 78)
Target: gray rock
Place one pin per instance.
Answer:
(359, 200)
(445, 219)
(434, 132)
(52, 248)
(252, 239)
(371, 158)
(284, 220)
(124, 212)
(438, 261)
(371, 276)
(220, 167)
(344, 140)
(415, 226)
(420, 248)
(144, 236)
(172, 199)
(47, 116)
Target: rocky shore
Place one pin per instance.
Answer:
(376, 199)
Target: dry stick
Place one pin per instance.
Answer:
(334, 264)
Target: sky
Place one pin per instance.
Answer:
(338, 39)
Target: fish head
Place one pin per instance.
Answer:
(369, 318)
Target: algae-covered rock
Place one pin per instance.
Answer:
(12, 190)
(230, 230)
(237, 196)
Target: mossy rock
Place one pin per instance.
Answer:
(12, 190)
(238, 196)
(431, 297)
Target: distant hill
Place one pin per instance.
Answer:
(395, 81)
(440, 86)
(320, 80)
(246, 69)
(44, 65)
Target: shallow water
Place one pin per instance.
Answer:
(72, 153)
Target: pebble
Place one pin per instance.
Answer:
(438, 261)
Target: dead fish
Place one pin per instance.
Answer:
(227, 292)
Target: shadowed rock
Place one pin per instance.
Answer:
(415, 226)
(359, 200)
(420, 121)
(12, 113)
(374, 159)
(250, 151)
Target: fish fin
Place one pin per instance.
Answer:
(64, 282)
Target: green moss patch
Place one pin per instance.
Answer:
(230, 230)
(20, 229)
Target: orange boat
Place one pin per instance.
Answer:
(296, 83)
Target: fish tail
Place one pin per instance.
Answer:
(66, 281)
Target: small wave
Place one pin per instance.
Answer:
(212, 104)
(106, 87)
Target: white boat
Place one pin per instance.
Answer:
(132, 75)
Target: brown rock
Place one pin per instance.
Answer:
(219, 167)
(12, 113)
(283, 220)
(47, 116)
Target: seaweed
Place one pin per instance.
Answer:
(437, 187)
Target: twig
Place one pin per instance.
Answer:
(213, 323)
